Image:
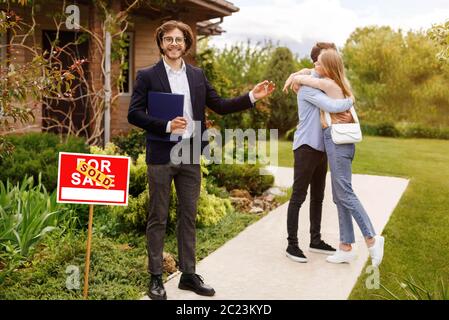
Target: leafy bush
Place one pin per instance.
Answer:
(211, 209)
(241, 176)
(37, 153)
(132, 144)
(27, 213)
(134, 216)
(138, 177)
(382, 130)
(137, 173)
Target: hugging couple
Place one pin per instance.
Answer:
(324, 100)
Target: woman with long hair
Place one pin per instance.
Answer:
(332, 80)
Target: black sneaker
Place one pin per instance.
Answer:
(296, 254)
(322, 247)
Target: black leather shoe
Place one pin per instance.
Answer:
(156, 290)
(195, 283)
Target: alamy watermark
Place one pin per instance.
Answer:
(72, 21)
(72, 281)
(372, 282)
(238, 146)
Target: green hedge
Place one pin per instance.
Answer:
(399, 130)
(241, 176)
(132, 144)
(405, 130)
(37, 153)
(211, 209)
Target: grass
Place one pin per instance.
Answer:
(417, 234)
(118, 265)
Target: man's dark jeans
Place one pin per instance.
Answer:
(310, 169)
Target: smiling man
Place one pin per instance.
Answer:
(172, 75)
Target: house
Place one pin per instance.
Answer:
(142, 51)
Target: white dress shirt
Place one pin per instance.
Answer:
(179, 84)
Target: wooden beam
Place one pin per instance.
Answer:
(210, 6)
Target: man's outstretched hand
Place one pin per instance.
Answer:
(263, 89)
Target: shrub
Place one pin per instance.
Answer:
(134, 216)
(137, 173)
(37, 153)
(138, 178)
(132, 144)
(211, 209)
(404, 130)
(382, 129)
(241, 176)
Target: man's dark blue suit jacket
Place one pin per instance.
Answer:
(202, 94)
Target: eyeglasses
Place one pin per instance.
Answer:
(177, 40)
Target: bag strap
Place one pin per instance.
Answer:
(329, 120)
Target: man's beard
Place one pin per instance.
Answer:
(181, 53)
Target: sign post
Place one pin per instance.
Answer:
(89, 241)
(92, 179)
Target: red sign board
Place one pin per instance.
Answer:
(93, 179)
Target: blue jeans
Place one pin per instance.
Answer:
(348, 205)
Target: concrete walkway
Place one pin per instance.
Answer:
(253, 265)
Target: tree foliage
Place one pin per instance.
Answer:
(397, 77)
(234, 71)
(283, 115)
(440, 34)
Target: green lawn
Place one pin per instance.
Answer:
(417, 234)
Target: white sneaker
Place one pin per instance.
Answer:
(341, 256)
(377, 251)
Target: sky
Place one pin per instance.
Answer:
(298, 24)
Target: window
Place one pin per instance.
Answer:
(128, 72)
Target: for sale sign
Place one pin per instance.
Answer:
(93, 179)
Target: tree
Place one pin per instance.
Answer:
(283, 108)
(234, 71)
(21, 85)
(440, 34)
(396, 77)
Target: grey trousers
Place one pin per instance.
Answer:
(187, 178)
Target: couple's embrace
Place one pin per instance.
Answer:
(325, 99)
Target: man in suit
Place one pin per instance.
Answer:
(172, 75)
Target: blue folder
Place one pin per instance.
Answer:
(164, 106)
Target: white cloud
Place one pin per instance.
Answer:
(298, 24)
